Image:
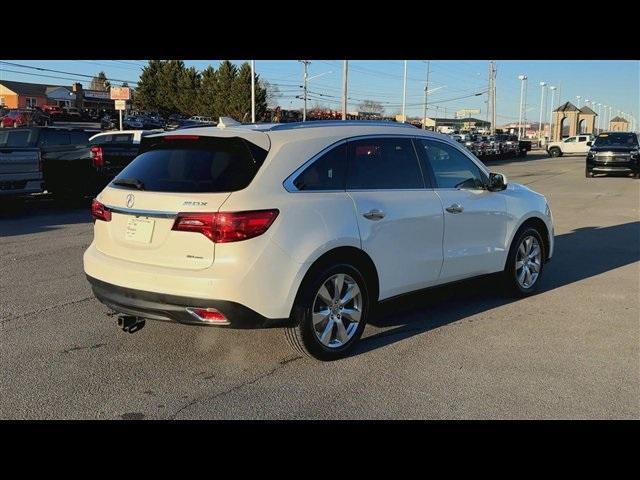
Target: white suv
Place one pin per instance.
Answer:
(309, 223)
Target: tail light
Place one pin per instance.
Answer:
(97, 160)
(224, 227)
(209, 315)
(99, 211)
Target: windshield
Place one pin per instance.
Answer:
(616, 139)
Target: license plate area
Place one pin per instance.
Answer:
(139, 229)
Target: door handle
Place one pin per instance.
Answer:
(455, 208)
(374, 214)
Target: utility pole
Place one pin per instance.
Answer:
(486, 116)
(306, 77)
(523, 79)
(426, 93)
(542, 85)
(404, 93)
(253, 91)
(345, 73)
(494, 114)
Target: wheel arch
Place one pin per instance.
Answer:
(347, 254)
(540, 225)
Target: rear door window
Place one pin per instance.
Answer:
(326, 173)
(204, 165)
(55, 137)
(383, 163)
(17, 138)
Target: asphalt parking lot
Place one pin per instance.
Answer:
(463, 351)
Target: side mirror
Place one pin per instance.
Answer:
(497, 182)
(589, 144)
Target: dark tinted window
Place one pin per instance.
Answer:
(125, 138)
(452, 168)
(616, 139)
(17, 138)
(79, 138)
(326, 173)
(386, 163)
(196, 166)
(55, 137)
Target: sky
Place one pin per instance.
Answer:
(452, 83)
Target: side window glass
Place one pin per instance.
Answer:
(384, 163)
(451, 168)
(326, 173)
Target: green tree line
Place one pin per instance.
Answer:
(168, 86)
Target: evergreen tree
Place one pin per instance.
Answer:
(167, 91)
(226, 75)
(146, 97)
(208, 93)
(187, 94)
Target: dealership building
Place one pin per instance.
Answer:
(28, 95)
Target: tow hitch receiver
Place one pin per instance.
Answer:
(130, 324)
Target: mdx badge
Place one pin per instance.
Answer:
(195, 204)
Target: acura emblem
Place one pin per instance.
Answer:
(130, 200)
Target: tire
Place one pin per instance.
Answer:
(636, 175)
(555, 152)
(304, 337)
(511, 274)
(588, 173)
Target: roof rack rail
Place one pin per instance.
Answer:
(337, 123)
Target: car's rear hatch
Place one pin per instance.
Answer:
(175, 173)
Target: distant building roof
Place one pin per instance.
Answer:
(619, 119)
(587, 110)
(24, 88)
(567, 107)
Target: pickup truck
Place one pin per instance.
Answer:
(577, 145)
(89, 168)
(53, 144)
(20, 168)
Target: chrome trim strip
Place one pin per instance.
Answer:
(142, 213)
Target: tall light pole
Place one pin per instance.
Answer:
(598, 105)
(604, 118)
(306, 79)
(345, 73)
(253, 91)
(578, 97)
(553, 93)
(523, 79)
(426, 93)
(404, 93)
(542, 85)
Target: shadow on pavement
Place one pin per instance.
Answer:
(41, 213)
(580, 254)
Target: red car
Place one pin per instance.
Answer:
(52, 110)
(14, 118)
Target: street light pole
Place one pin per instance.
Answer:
(253, 91)
(345, 73)
(404, 93)
(542, 85)
(426, 93)
(306, 77)
(522, 79)
(553, 94)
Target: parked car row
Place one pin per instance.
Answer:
(493, 146)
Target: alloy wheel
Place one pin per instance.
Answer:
(336, 311)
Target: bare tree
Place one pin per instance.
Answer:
(371, 106)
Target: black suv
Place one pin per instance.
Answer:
(614, 152)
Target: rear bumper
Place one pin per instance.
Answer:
(159, 306)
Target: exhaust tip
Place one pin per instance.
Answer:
(209, 316)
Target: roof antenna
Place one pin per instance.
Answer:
(227, 122)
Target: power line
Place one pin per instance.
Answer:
(64, 73)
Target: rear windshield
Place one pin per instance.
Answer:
(205, 165)
(18, 138)
(616, 139)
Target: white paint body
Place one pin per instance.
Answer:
(576, 145)
(418, 243)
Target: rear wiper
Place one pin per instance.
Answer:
(129, 182)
